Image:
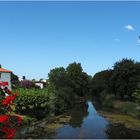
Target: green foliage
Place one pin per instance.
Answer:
(125, 78)
(58, 77)
(31, 99)
(108, 101)
(66, 85)
(71, 77)
(79, 80)
(122, 81)
(25, 102)
(130, 108)
(61, 100)
(100, 82)
(136, 95)
(32, 92)
(14, 81)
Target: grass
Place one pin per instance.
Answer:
(125, 107)
(129, 121)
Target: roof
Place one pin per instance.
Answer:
(4, 70)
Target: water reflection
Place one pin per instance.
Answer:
(82, 122)
(78, 117)
(85, 123)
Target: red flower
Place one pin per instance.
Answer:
(8, 123)
(19, 120)
(10, 132)
(4, 118)
(9, 100)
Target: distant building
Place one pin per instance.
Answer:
(42, 83)
(39, 84)
(43, 80)
(5, 76)
(20, 78)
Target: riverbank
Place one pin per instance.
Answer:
(128, 121)
(122, 112)
(112, 104)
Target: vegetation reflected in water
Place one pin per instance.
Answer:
(83, 121)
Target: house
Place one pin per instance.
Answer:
(42, 83)
(39, 84)
(5, 76)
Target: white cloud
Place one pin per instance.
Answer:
(129, 27)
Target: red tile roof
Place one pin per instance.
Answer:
(4, 70)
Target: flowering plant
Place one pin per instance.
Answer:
(8, 123)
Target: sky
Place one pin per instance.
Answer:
(36, 37)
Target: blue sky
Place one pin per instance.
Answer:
(38, 36)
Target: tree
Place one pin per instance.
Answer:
(62, 96)
(58, 77)
(67, 85)
(79, 80)
(33, 80)
(125, 78)
(24, 78)
(100, 82)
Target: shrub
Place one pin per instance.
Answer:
(27, 84)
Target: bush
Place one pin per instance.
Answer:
(107, 101)
(32, 98)
(27, 84)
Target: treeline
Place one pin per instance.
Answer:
(122, 81)
(67, 85)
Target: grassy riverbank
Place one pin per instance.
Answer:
(128, 121)
(119, 111)
(126, 107)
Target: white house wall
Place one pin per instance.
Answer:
(6, 77)
(39, 84)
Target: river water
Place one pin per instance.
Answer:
(85, 123)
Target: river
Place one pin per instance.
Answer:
(82, 122)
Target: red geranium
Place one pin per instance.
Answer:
(9, 100)
(4, 118)
(8, 123)
(10, 132)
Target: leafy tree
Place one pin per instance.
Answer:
(67, 85)
(125, 78)
(100, 82)
(79, 80)
(58, 77)
(33, 80)
(24, 78)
